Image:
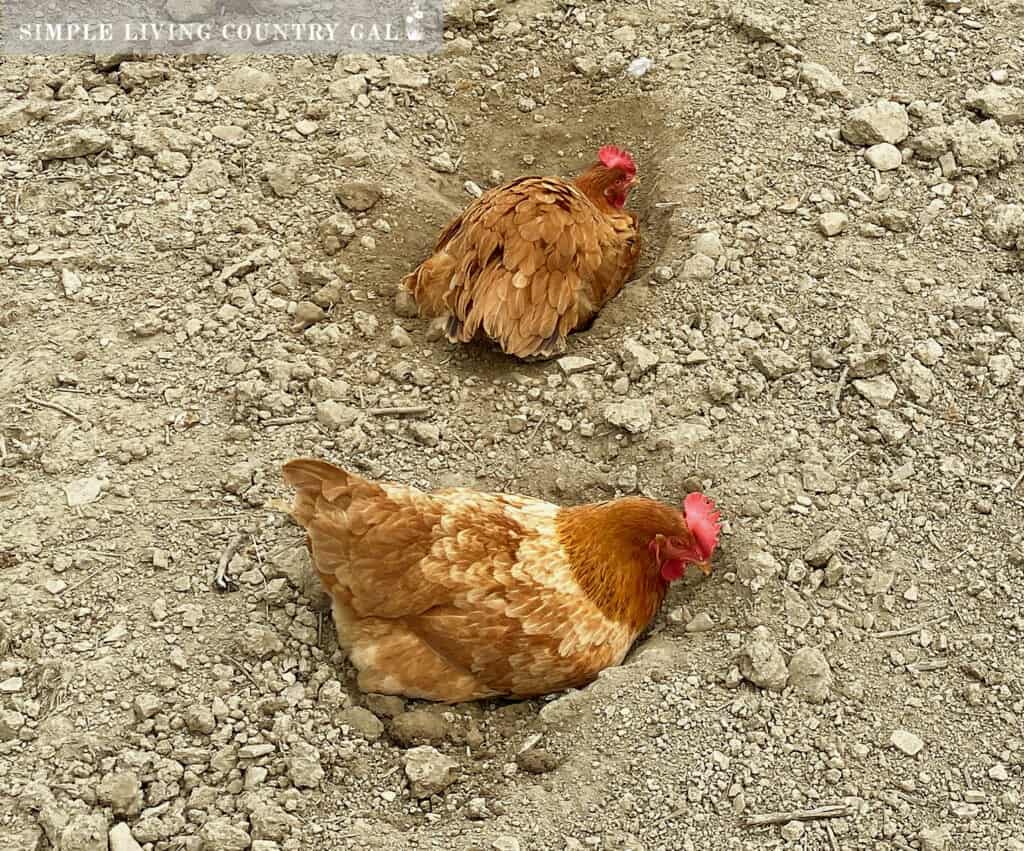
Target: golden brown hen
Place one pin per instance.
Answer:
(533, 260)
(459, 595)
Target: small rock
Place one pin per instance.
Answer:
(399, 338)
(880, 391)
(869, 364)
(121, 839)
(122, 791)
(934, 838)
(367, 725)
(70, 282)
(146, 706)
(427, 434)
(199, 719)
(247, 83)
(222, 834)
(907, 742)
(1004, 226)
(709, 244)
(701, 622)
(884, 157)
(882, 121)
(816, 479)
(810, 676)
(308, 313)
(1005, 104)
(173, 163)
(283, 178)
(773, 363)
(304, 768)
(80, 142)
(699, 267)
(637, 359)
(537, 761)
(573, 364)
(833, 223)
(917, 381)
(418, 726)
(336, 232)
(822, 80)
(755, 567)
(11, 723)
(85, 833)
(429, 771)
(443, 163)
(347, 89)
(761, 661)
(633, 415)
(357, 195)
(792, 830)
(83, 491)
(999, 773)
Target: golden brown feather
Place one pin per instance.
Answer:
(563, 242)
(459, 595)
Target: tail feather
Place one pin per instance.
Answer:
(313, 479)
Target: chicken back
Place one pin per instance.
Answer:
(531, 261)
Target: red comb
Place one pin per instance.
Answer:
(702, 520)
(612, 157)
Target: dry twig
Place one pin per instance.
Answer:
(411, 411)
(827, 811)
(53, 406)
(240, 667)
(281, 421)
(910, 630)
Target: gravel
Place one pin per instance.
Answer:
(200, 260)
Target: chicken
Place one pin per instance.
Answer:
(459, 595)
(529, 262)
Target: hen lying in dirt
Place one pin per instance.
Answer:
(529, 262)
(459, 595)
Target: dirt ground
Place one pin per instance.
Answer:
(198, 270)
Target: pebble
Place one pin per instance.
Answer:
(222, 834)
(833, 223)
(1005, 104)
(881, 121)
(632, 415)
(443, 163)
(907, 742)
(773, 363)
(357, 195)
(792, 830)
(709, 244)
(823, 548)
(429, 771)
(86, 832)
(884, 157)
(762, 663)
(304, 768)
(879, 391)
(699, 267)
(810, 675)
(120, 838)
(637, 359)
(427, 434)
(80, 142)
(574, 364)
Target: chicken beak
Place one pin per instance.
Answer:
(704, 567)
